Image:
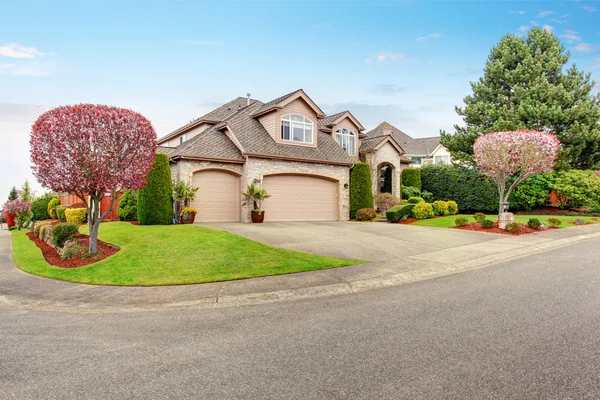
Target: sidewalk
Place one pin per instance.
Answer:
(24, 291)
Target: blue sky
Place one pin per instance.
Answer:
(408, 63)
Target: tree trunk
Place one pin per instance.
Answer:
(94, 223)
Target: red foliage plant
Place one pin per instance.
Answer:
(89, 149)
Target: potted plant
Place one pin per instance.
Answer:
(188, 215)
(183, 192)
(255, 194)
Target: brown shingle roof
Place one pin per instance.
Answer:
(164, 149)
(323, 122)
(429, 144)
(278, 100)
(411, 146)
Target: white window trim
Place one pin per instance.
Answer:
(183, 138)
(348, 134)
(290, 121)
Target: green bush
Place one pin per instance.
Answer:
(399, 212)
(366, 214)
(76, 215)
(412, 177)
(410, 191)
(452, 207)
(383, 201)
(154, 202)
(554, 222)
(580, 188)
(532, 193)
(422, 210)
(63, 232)
(427, 196)
(71, 250)
(361, 191)
(440, 208)
(127, 209)
(461, 221)
(39, 208)
(534, 223)
(486, 223)
(470, 189)
(415, 200)
(478, 217)
(60, 213)
(52, 204)
(513, 227)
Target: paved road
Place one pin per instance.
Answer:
(526, 329)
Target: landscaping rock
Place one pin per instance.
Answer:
(579, 221)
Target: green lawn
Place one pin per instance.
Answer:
(448, 222)
(173, 255)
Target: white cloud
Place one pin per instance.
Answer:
(545, 13)
(596, 65)
(430, 36)
(589, 8)
(14, 50)
(523, 28)
(583, 47)
(22, 70)
(534, 23)
(559, 21)
(570, 36)
(548, 28)
(204, 42)
(520, 12)
(386, 57)
(389, 89)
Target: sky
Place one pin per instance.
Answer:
(407, 63)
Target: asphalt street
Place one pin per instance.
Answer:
(525, 329)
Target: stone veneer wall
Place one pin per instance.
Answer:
(385, 154)
(184, 169)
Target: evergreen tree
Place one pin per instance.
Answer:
(155, 201)
(13, 194)
(26, 195)
(525, 86)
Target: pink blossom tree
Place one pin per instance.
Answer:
(16, 208)
(88, 149)
(506, 156)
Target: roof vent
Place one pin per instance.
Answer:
(248, 99)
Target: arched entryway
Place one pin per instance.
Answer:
(385, 178)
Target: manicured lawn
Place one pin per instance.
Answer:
(173, 255)
(448, 222)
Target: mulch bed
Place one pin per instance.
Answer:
(410, 220)
(134, 222)
(476, 226)
(51, 255)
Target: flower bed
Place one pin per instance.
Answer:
(476, 226)
(53, 258)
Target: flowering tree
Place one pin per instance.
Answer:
(91, 150)
(506, 156)
(16, 208)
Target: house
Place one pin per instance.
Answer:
(388, 151)
(301, 156)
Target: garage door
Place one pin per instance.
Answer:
(218, 198)
(300, 198)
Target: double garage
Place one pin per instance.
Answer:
(293, 197)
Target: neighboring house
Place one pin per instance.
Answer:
(301, 156)
(388, 151)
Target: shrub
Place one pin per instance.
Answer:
(422, 210)
(461, 221)
(366, 214)
(60, 213)
(63, 232)
(452, 207)
(478, 217)
(427, 196)
(127, 209)
(513, 227)
(71, 249)
(39, 208)
(532, 193)
(361, 191)
(554, 222)
(440, 208)
(76, 215)
(154, 202)
(410, 191)
(470, 189)
(415, 200)
(412, 177)
(52, 204)
(399, 212)
(486, 223)
(12, 228)
(383, 201)
(579, 188)
(534, 223)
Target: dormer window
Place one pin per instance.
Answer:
(296, 128)
(347, 140)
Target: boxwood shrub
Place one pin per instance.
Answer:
(452, 207)
(396, 213)
(155, 203)
(440, 208)
(412, 177)
(461, 221)
(361, 191)
(60, 213)
(127, 209)
(76, 215)
(422, 210)
(487, 224)
(415, 200)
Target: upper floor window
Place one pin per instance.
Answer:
(442, 160)
(182, 138)
(296, 128)
(347, 140)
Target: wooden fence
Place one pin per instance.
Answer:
(70, 199)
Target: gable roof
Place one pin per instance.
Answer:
(332, 119)
(285, 99)
(416, 147)
(373, 143)
(429, 144)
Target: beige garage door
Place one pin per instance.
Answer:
(218, 198)
(300, 198)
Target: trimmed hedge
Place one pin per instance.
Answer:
(60, 213)
(155, 202)
(440, 208)
(127, 209)
(422, 210)
(52, 204)
(396, 213)
(410, 191)
(76, 215)
(471, 190)
(412, 177)
(415, 200)
(361, 191)
(452, 207)
(39, 208)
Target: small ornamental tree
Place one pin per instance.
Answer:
(26, 193)
(91, 150)
(361, 191)
(17, 208)
(514, 156)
